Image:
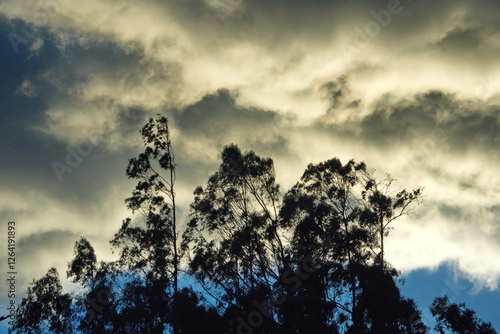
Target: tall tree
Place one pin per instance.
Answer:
(322, 215)
(312, 260)
(246, 243)
(148, 242)
(338, 214)
(237, 248)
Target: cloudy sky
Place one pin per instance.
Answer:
(410, 87)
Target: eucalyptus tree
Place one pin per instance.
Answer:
(339, 214)
(315, 246)
(311, 260)
(237, 249)
(322, 212)
(148, 242)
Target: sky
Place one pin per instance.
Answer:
(412, 88)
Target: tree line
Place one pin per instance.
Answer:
(252, 258)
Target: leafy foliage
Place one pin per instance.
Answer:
(310, 260)
(45, 308)
(150, 246)
(234, 229)
(456, 318)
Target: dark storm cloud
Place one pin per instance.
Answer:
(217, 119)
(339, 94)
(27, 154)
(463, 124)
(460, 40)
(460, 215)
(20, 146)
(459, 124)
(455, 123)
(203, 128)
(37, 248)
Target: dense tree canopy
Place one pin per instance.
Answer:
(257, 259)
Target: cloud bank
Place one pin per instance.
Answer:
(411, 88)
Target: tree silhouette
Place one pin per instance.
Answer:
(45, 308)
(381, 306)
(234, 233)
(247, 243)
(311, 260)
(456, 318)
(335, 214)
(322, 216)
(149, 243)
(96, 280)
